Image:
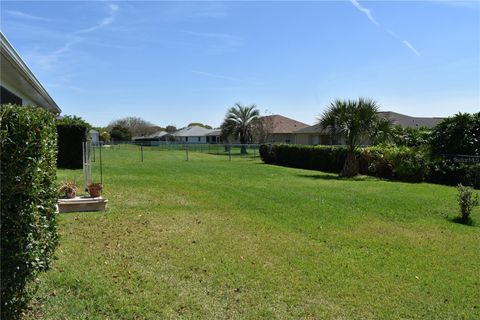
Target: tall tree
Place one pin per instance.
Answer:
(240, 122)
(357, 121)
(199, 124)
(135, 125)
(171, 128)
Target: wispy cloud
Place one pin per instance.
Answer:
(409, 46)
(23, 15)
(218, 76)
(228, 39)
(224, 77)
(370, 17)
(56, 59)
(366, 11)
(113, 8)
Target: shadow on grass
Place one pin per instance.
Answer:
(468, 222)
(326, 176)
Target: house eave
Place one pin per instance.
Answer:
(14, 60)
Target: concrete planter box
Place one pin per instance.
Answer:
(79, 204)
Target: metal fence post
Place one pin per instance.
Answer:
(186, 149)
(230, 152)
(141, 148)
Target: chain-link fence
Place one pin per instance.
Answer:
(227, 151)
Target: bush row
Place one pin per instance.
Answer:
(28, 213)
(395, 163)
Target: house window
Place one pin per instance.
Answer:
(8, 97)
(186, 139)
(199, 139)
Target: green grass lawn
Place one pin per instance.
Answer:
(218, 239)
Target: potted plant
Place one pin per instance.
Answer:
(68, 189)
(94, 189)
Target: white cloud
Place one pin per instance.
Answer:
(23, 15)
(229, 39)
(104, 22)
(412, 48)
(369, 15)
(366, 11)
(218, 76)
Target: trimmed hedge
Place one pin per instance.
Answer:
(394, 163)
(28, 213)
(70, 138)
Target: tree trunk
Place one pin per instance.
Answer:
(243, 149)
(350, 168)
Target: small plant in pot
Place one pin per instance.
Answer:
(68, 189)
(94, 189)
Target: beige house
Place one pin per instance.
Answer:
(281, 129)
(316, 135)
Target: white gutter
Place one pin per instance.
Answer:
(9, 52)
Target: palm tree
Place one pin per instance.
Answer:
(239, 122)
(357, 121)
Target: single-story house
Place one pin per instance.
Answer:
(410, 122)
(157, 136)
(18, 84)
(316, 135)
(214, 136)
(193, 134)
(280, 129)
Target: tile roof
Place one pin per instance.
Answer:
(408, 121)
(193, 131)
(283, 124)
(397, 119)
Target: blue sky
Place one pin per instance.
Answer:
(182, 62)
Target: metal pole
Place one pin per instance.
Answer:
(230, 152)
(141, 148)
(101, 171)
(254, 152)
(186, 149)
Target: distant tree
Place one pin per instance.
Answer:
(135, 125)
(459, 134)
(120, 133)
(263, 129)
(171, 129)
(357, 121)
(198, 124)
(240, 122)
(105, 136)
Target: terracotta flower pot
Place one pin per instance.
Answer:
(70, 194)
(94, 190)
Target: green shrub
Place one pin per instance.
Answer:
(28, 214)
(411, 137)
(327, 159)
(70, 138)
(387, 162)
(467, 200)
(408, 164)
(446, 171)
(457, 135)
